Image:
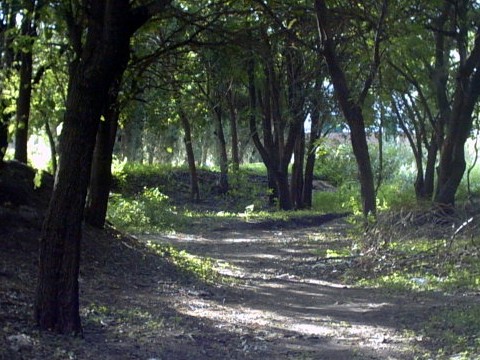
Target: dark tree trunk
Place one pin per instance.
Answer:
(351, 110)
(4, 120)
(233, 130)
(452, 163)
(25, 89)
(429, 180)
(194, 188)
(297, 184)
(416, 146)
(100, 60)
(57, 302)
(222, 148)
(7, 55)
(101, 175)
(272, 188)
(53, 146)
(315, 131)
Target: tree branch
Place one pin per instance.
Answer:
(376, 55)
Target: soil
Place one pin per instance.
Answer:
(282, 299)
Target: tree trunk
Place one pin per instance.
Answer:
(222, 149)
(429, 180)
(297, 170)
(310, 162)
(233, 130)
(252, 92)
(57, 302)
(452, 163)
(194, 188)
(100, 59)
(4, 119)
(452, 159)
(101, 175)
(351, 110)
(7, 56)
(25, 90)
(51, 143)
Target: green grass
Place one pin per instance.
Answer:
(201, 268)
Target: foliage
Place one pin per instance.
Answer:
(201, 268)
(148, 211)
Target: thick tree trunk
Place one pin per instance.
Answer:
(452, 163)
(101, 175)
(452, 159)
(57, 302)
(194, 188)
(101, 59)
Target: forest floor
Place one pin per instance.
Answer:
(277, 297)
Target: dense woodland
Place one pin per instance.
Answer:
(225, 83)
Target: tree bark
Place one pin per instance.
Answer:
(57, 302)
(351, 110)
(315, 131)
(233, 130)
(25, 86)
(53, 147)
(101, 174)
(222, 148)
(100, 59)
(452, 163)
(194, 188)
(297, 184)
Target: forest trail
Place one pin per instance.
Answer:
(287, 302)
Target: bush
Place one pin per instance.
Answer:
(145, 212)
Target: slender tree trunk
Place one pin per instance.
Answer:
(7, 56)
(101, 174)
(233, 130)
(272, 188)
(25, 91)
(194, 188)
(53, 146)
(222, 149)
(297, 185)
(315, 131)
(429, 178)
(4, 120)
(351, 110)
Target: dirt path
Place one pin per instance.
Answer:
(287, 303)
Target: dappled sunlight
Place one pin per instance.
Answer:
(283, 322)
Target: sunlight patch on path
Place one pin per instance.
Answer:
(298, 332)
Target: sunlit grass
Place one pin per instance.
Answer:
(202, 268)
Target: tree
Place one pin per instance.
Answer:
(458, 112)
(8, 13)
(100, 35)
(30, 18)
(352, 109)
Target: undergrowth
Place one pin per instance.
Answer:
(408, 252)
(201, 268)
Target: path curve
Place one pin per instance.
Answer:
(285, 307)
